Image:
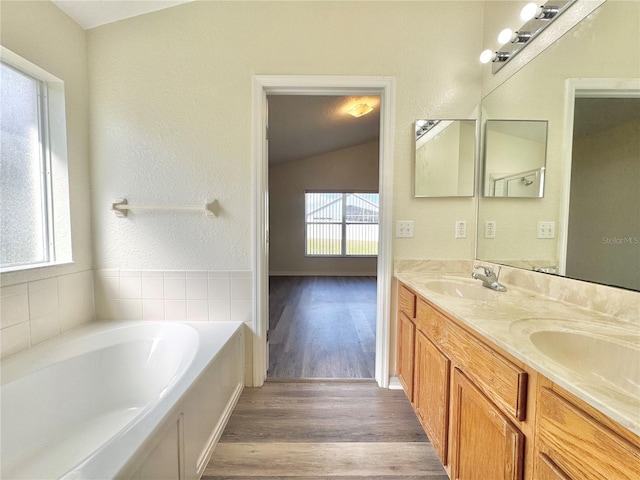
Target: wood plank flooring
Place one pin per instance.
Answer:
(320, 430)
(322, 327)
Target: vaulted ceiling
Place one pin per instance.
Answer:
(302, 126)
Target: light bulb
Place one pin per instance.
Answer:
(505, 36)
(486, 56)
(529, 11)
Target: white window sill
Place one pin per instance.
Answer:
(34, 266)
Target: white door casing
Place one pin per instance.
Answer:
(320, 85)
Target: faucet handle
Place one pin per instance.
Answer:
(487, 270)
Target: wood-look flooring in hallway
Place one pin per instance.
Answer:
(322, 327)
(319, 430)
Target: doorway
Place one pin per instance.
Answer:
(323, 242)
(313, 85)
(598, 241)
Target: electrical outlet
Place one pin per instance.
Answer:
(490, 229)
(461, 229)
(546, 230)
(404, 229)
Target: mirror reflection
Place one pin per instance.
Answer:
(445, 158)
(514, 158)
(574, 195)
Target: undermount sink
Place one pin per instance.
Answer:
(604, 358)
(470, 290)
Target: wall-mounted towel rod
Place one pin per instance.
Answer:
(121, 207)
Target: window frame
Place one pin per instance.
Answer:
(54, 165)
(343, 223)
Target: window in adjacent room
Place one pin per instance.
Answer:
(34, 198)
(341, 224)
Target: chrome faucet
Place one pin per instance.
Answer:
(489, 279)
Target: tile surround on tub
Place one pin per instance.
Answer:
(33, 312)
(191, 295)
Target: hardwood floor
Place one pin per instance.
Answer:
(319, 430)
(322, 327)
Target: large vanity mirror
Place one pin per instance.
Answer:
(445, 158)
(587, 226)
(514, 158)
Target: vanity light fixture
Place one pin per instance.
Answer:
(489, 56)
(536, 17)
(509, 36)
(359, 110)
(423, 126)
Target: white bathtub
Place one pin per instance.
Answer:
(120, 400)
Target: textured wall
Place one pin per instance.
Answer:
(170, 116)
(349, 169)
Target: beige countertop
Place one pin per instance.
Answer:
(592, 355)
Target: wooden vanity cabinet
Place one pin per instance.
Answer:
(489, 391)
(547, 470)
(406, 353)
(572, 444)
(485, 443)
(489, 417)
(431, 393)
(406, 339)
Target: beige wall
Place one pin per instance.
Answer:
(171, 112)
(349, 169)
(604, 225)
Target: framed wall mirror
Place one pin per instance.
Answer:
(445, 158)
(514, 158)
(586, 129)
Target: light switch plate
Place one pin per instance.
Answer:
(546, 230)
(490, 229)
(404, 229)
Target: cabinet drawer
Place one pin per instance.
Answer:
(581, 446)
(406, 301)
(430, 322)
(502, 381)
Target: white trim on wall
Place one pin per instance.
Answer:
(321, 85)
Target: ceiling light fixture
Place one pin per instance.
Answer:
(359, 110)
(536, 17)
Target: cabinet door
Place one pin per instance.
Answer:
(485, 444)
(431, 393)
(579, 444)
(406, 339)
(547, 470)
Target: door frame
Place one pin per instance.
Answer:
(583, 88)
(263, 85)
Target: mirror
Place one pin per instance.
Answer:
(536, 235)
(445, 158)
(514, 158)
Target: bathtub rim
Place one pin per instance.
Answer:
(119, 456)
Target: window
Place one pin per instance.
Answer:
(32, 179)
(341, 224)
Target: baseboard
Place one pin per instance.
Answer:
(394, 384)
(322, 274)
